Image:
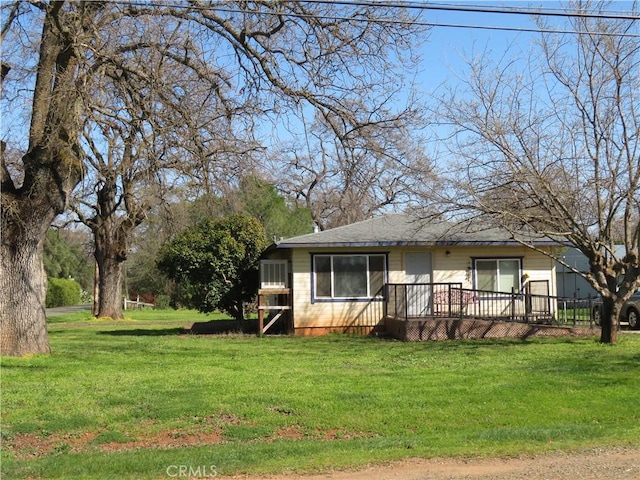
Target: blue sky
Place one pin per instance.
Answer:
(445, 46)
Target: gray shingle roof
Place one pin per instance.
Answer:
(403, 230)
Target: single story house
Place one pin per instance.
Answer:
(350, 278)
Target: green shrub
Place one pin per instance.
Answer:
(86, 297)
(163, 302)
(62, 292)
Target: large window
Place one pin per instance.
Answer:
(348, 276)
(498, 274)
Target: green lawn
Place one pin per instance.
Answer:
(138, 401)
(141, 315)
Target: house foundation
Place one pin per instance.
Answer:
(415, 330)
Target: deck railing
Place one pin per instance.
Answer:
(450, 300)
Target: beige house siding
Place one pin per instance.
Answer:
(450, 264)
(332, 315)
(457, 267)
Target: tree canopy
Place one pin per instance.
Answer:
(67, 255)
(279, 216)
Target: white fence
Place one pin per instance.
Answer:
(136, 304)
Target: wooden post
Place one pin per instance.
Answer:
(281, 309)
(260, 314)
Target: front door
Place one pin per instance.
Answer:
(417, 274)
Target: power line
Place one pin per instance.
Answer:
(481, 9)
(428, 6)
(449, 25)
(454, 25)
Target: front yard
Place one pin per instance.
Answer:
(134, 400)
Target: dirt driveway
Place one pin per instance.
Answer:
(605, 464)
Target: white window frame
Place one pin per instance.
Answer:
(498, 260)
(274, 274)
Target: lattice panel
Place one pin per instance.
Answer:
(450, 329)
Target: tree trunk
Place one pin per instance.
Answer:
(111, 233)
(23, 286)
(26, 215)
(52, 168)
(239, 315)
(109, 261)
(610, 322)
(96, 289)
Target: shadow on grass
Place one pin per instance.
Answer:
(146, 332)
(213, 327)
(218, 327)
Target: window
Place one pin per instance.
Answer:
(348, 276)
(273, 274)
(498, 275)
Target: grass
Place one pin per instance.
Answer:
(141, 315)
(134, 400)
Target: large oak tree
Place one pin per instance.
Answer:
(143, 135)
(279, 56)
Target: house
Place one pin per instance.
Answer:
(352, 278)
(572, 284)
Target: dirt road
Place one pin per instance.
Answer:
(609, 464)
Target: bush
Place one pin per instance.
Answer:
(62, 292)
(86, 297)
(163, 302)
(216, 263)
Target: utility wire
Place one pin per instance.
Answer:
(519, 10)
(444, 25)
(213, 6)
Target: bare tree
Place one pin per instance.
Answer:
(162, 125)
(553, 148)
(343, 176)
(277, 55)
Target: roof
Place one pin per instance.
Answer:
(404, 230)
